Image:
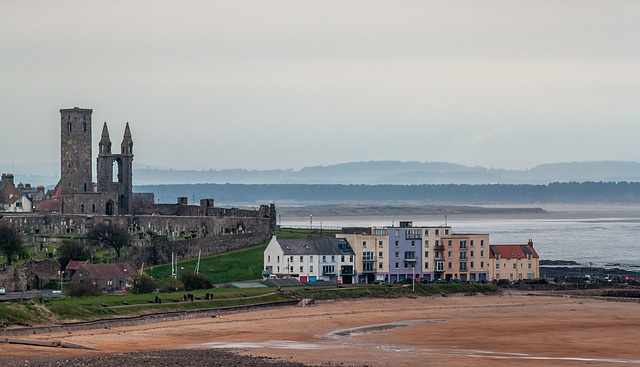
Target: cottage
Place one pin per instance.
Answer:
(108, 277)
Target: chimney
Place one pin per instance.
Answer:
(7, 178)
(530, 242)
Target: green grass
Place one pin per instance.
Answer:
(230, 266)
(392, 291)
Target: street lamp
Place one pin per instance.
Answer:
(310, 221)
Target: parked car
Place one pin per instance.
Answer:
(2, 291)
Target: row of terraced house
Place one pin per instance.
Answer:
(393, 254)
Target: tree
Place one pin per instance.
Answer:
(74, 250)
(143, 284)
(110, 236)
(10, 241)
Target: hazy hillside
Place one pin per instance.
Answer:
(370, 173)
(240, 194)
(400, 173)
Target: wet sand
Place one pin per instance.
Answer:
(440, 331)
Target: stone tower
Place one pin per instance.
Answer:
(75, 170)
(115, 173)
(114, 194)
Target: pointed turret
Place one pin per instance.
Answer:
(127, 143)
(105, 141)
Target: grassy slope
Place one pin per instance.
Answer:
(223, 268)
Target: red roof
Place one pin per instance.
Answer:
(49, 206)
(75, 264)
(513, 251)
(116, 270)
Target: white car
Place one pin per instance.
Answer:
(2, 291)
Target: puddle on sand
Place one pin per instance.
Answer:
(275, 344)
(386, 326)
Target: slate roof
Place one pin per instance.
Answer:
(75, 264)
(324, 246)
(116, 270)
(49, 206)
(513, 251)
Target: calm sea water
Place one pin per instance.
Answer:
(599, 241)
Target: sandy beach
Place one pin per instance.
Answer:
(440, 331)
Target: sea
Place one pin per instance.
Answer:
(591, 236)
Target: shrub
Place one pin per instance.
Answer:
(195, 281)
(168, 288)
(82, 290)
(143, 284)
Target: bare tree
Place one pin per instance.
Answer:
(110, 236)
(10, 241)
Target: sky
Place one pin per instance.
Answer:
(288, 84)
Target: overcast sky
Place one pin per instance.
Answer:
(288, 84)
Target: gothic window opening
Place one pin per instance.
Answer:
(109, 208)
(82, 208)
(85, 187)
(93, 208)
(69, 125)
(84, 126)
(117, 171)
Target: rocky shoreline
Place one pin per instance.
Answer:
(162, 358)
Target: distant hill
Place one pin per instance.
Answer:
(282, 194)
(369, 173)
(399, 173)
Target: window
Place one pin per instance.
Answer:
(364, 244)
(302, 269)
(268, 258)
(450, 243)
(379, 243)
(471, 243)
(497, 266)
(471, 265)
(449, 254)
(406, 265)
(514, 266)
(328, 269)
(426, 265)
(463, 266)
(449, 265)
(379, 265)
(278, 258)
(426, 243)
(529, 257)
(93, 208)
(471, 253)
(367, 267)
(342, 258)
(463, 255)
(409, 255)
(481, 253)
(463, 244)
(397, 254)
(351, 258)
(278, 269)
(426, 232)
(84, 126)
(482, 264)
(301, 259)
(413, 243)
(426, 254)
(397, 243)
(292, 259)
(497, 256)
(311, 258)
(291, 271)
(333, 258)
(324, 258)
(380, 254)
(367, 256)
(396, 265)
(69, 125)
(437, 232)
(446, 232)
(311, 268)
(529, 266)
(481, 242)
(397, 232)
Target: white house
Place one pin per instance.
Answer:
(16, 204)
(310, 260)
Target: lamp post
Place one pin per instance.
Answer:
(311, 221)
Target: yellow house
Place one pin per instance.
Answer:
(514, 262)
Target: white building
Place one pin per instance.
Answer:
(310, 260)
